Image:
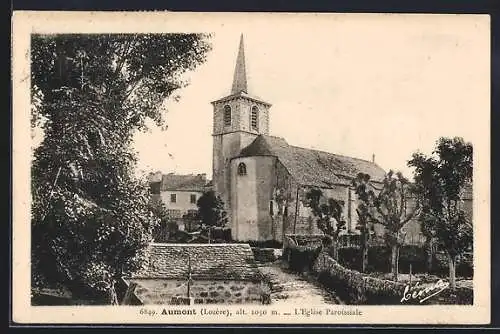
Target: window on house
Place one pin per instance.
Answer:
(271, 208)
(242, 169)
(227, 115)
(173, 198)
(254, 118)
(193, 198)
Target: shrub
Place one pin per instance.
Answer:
(301, 259)
(264, 254)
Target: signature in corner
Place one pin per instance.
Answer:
(423, 293)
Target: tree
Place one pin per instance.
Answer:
(388, 207)
(166, 226)
(90, 215)
(364, 226)
(440, 181)
(211, 211)
(329, 214)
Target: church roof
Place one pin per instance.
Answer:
(203, 261)
(240, 82)
(240, 74)
(312, 167)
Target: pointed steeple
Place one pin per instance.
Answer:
(240, 74)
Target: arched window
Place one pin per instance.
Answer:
(227, 115)
(242, 169)
(254, 118)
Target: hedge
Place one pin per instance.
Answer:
(355, 288)
(379, 260)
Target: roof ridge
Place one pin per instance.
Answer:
(337, 154)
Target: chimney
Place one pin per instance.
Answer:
(373, 157)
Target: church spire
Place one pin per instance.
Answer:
(240, 75)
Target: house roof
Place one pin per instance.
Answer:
(207, 261)
(312, 167)
(189, 182)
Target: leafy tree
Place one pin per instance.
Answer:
(329, 215)
(388, 207)
(166, 226)
(211, 211)
(440, 181)
(90, 215)
(365, 227)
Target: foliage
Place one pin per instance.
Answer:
(387, 207)
(166, 227)
(211, 210)
(353, 287)
(440, 181)
(301, 258)
(329, 213)
(90, 216)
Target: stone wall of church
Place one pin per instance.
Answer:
(225, 147)
(250, 197)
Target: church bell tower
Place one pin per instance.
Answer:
(238, 119)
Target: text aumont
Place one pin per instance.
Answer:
(307, 312)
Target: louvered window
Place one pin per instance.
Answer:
(227, 115)
(254, 118)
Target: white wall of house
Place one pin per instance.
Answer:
(183, 201)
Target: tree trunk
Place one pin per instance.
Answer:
(335, 251)
(394, 262)
(364, 250)
(364, 257)
(451, 267)
(113, 298)
(430, 255)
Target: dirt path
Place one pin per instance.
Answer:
(288, 287)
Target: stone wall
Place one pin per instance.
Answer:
(160, 291)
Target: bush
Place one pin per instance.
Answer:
(301, 259)
(264, 254)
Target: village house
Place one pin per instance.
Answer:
(204, 273)
(179, 193)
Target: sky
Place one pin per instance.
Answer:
(356, 85)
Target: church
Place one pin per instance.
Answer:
(263, 180)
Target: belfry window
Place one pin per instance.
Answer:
(242, 169)
(227, 115)
(254, 118)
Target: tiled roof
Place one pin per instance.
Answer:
(312, 167)
(242, 95)
(190, 182)
(208, 261)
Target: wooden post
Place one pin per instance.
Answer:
(296, 210)
(410, 274)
